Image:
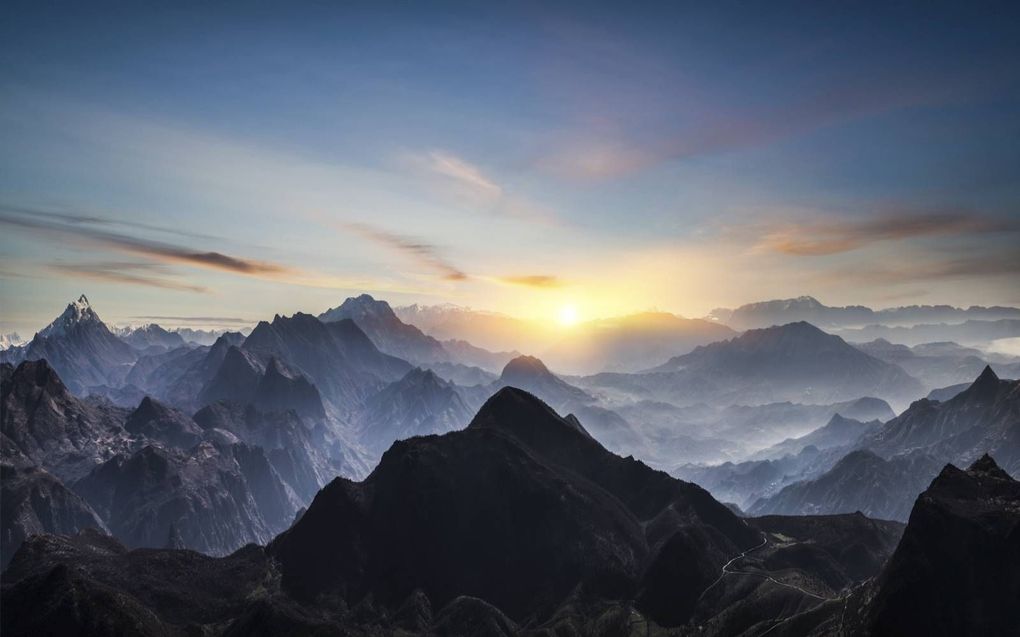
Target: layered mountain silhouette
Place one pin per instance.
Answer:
(860, 481)
(796, 362)
(807, 308)
(631, 343)
(418, 404)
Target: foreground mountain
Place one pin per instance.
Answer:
(80, 347)
(962, 592)
(513, 486)
(806, 308)
(522, 524)
(796, 362)
(389, 333)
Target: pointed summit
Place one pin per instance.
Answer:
(524, 416)
(983, 389)
(987, 465)
(76, 312)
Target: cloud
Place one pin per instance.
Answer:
(472, 186)
(986, 265)
(533, 280)
(83, 233)
(94, 219)
(121, 273)
(820, 238)
(455, 168)
(423, 253)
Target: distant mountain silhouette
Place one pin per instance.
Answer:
(389, 333)
(80, 347)
(860, 481)
(630, 343)
(418, 404)
(984, 418)
(531, 374)
(807, 308)
(151, 336)
(796, 361)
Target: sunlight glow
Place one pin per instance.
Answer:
(568, 316)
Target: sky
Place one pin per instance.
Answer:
(219, 165)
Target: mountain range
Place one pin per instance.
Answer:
(522, 523)
(809, 309)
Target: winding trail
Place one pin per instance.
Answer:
(727, 570)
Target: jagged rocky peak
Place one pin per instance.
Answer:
(987, 465)
(77, 312)
(38, 374)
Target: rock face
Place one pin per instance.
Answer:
(418, 404)
(53, 428)
(81, 348)
(796, 362)
(156, 421)
(34, 501)
(524, 493)
(342, 362)
(861, 481)
(217, 498)
(961, 592)
(389, 333)
(983, 418)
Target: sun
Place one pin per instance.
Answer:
(567, 316)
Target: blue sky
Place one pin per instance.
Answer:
(242, 161)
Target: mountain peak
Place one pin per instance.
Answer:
(76, 312)
(523, 415)
(524, 366)
(986, 464)
(984, 388)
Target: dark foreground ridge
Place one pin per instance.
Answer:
(522, 523)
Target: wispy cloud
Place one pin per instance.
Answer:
(84, 233)
(78, 218)
(423, 253)
(456, 168)
(533, 280)
(985, 265)
(122, 273)
(827, 237)
(470, 184)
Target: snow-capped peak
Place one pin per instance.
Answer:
(76, 312)
(10, 340)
